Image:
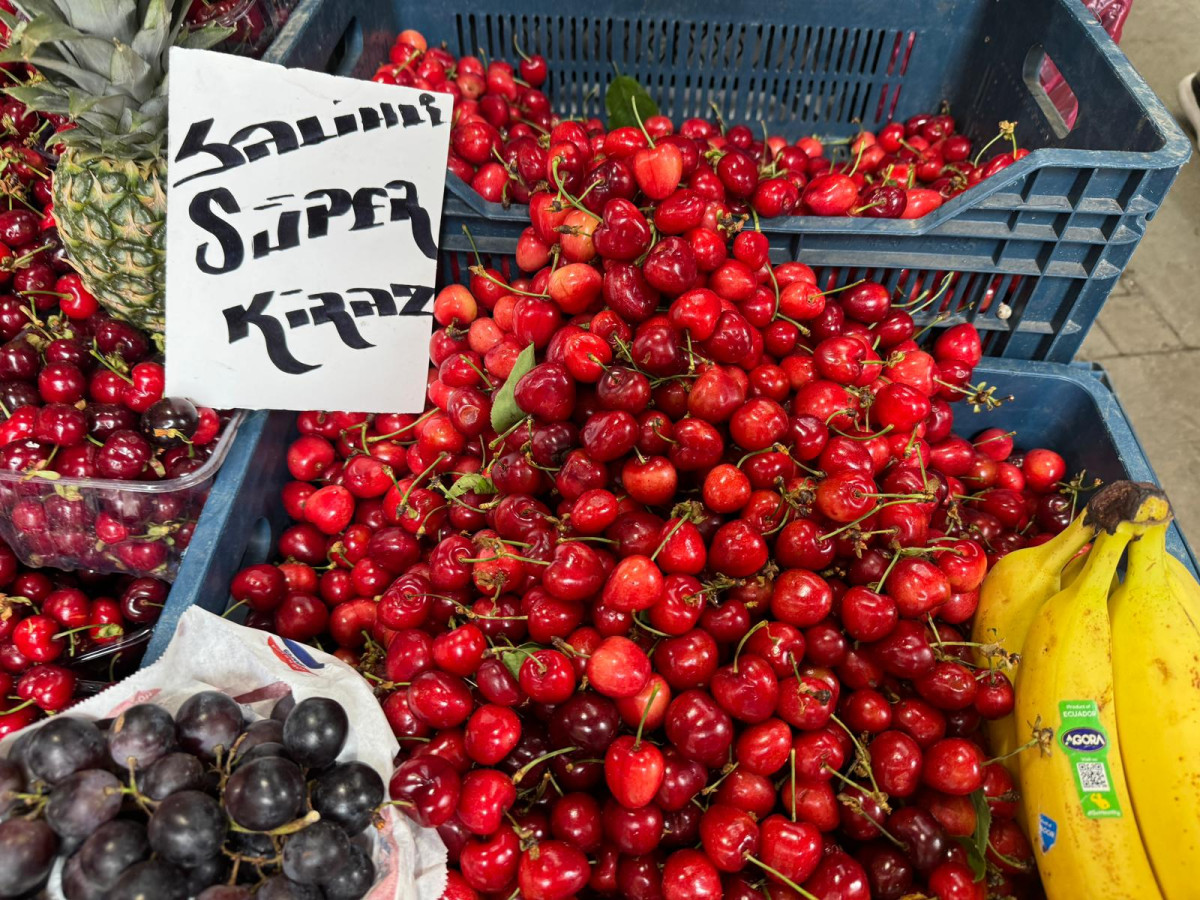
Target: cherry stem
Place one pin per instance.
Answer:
(856, 807)
(984, 148)
(670, 534)
(861, 149)
(649, 629)
(564, 193)
(886, 572)
(109, 630)
(863, 755)
(716, 784)
(861, 437)
(863, 517)
(787, 881)
(17, 708)
(638, 116)
(842, 288)
(792, 759)
(533, 763)
(474, 249)
(637, 741)
(403, 504)
(488, 276)
(742, 643)
(1029, 745)
(232, 607)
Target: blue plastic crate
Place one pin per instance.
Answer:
(1054, 405)
(1040, 245)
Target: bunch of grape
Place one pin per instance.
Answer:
(203, 804)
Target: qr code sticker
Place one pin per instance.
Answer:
(1093, 776)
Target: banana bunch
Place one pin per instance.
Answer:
(1105, 737)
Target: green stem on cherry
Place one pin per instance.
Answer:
(770, 870)
(742, 643)
(637, 741)
(534, 763)
(637, 115)
(665, 540)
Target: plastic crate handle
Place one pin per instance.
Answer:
(1093, 67)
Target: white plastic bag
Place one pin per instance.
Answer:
(256, 669)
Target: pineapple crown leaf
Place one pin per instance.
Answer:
(114, 19)
(88, 81)
(204, 38)
(155, 34)
(127, 68)
(105, 63)
(37, 96)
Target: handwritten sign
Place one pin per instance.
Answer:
(304, 211)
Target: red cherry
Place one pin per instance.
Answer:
(633, 770)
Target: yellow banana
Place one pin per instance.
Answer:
(1009, 599)
(1156, 679)
(1185, 586)
(1077, 807)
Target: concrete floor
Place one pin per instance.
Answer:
(1148, 334)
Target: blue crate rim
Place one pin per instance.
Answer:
(1176, 147)
(1175, 151)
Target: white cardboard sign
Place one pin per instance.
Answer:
(302, 236)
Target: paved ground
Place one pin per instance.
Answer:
(1148, 335)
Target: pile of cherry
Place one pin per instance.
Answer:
(666, 593)
(508, 144)
(65, 635)
(81, 394)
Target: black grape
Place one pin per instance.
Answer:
(315, 732)
(173, 772)
(206, 721)
(315, 854)
(283, 706)
(143, 733)
(352, 880)
(27, 848)
(81, 803)
(282, 888)
(76, 885)
(154, 879)
(114, 847)
(63, 746)
(265, 794)
(187, 828)
(348, 795)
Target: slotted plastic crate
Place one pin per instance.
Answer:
(1065, 407)
(1039, 246)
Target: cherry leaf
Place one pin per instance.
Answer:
(623, 92)
(474, 481)
(505, 412)
(513, 658)
(977, 844)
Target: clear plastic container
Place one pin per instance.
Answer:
(52, 522)
(254, 22)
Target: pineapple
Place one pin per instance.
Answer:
(103, 63)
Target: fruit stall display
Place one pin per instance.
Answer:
(704, 573)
